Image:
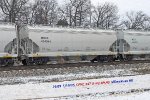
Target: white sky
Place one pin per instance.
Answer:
(125, 5)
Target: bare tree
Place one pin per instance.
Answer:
(106, 15)
(136, 20)
(76, 12)
(146, 24)
(44, 12)
(65, 13)
(11, 8)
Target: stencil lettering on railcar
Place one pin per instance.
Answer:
(45, 40)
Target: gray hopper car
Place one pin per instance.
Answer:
(40, 45)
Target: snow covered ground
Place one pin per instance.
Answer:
(112, 82)
(114, 88)
(134, 96)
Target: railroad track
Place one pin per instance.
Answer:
(69, 65)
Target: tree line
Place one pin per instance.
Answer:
(73, 13)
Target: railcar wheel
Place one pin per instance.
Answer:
(8, 62)
(129, 57)
(38, 63)
(92, 61)
(24, 62)
(110, 58)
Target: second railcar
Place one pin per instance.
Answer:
(136, 45)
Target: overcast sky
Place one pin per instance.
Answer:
(126, 5)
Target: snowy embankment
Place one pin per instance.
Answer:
(91, 89)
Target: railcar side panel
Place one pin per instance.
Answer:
(68, 42)
(139, 42)
(7, 40)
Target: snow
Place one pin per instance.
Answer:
(91, 89)
(136, 96)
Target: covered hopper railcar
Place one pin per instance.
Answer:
(8, 47)
(43, 44)
(65, 44)
(134, 45)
